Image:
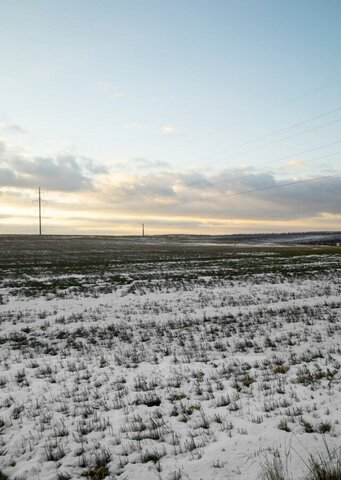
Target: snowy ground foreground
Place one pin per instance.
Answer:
(141, 362)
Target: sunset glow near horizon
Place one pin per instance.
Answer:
(184, 116)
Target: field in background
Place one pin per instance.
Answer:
(167, 357)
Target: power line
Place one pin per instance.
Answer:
(275, 132)
(238, 177)
(296, 182)
(284, 138)
(274, 142)
(266, 188)
(281, 104)
(270, 109)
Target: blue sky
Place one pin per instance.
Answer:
(132, 97)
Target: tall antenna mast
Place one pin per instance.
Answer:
(142, 229)
(39, 203)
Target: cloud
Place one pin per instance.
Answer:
(169, 131)
(139, 165)
(138, 188)
(64, 173)
(2, 147)
(297, 165)
(196, 195)
(147, 188)
(145, 163)
(7, 177)
(12, 128)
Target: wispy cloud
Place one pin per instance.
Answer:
(12, 128)
(297, 165)
(169, 131)
(138, 165)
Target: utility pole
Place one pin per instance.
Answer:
(39, 203)
(142, 229)
(39, 200)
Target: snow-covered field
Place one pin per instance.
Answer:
(136, 361)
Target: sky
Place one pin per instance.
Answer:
(186, 116)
